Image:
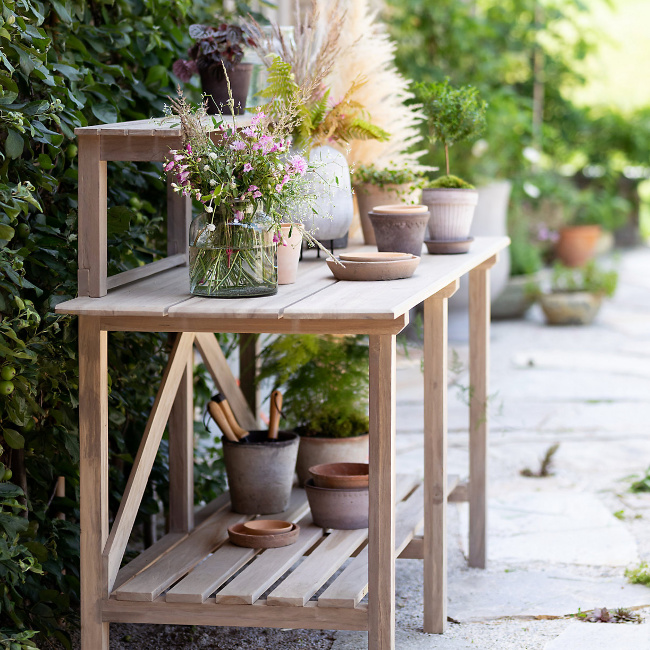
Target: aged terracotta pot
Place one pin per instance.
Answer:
(400, 232)
(368, 196)
(317, 451)
(342, 509)
(577, 244)
(260, 472)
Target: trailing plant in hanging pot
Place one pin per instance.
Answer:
(453, 115)
(218, 51)
(247, 182)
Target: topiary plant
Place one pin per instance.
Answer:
(453, 115)
(324, 380)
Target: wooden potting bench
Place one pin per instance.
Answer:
(187, 576)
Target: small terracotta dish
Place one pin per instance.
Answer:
(340, 475)
(369, 271)
(238, 536)
(400, 207)
(449, 246)
(373, 257)
(267, 527)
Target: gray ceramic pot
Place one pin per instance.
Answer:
(570, 308)
(260, 472)
(340, 509)
(400, 233)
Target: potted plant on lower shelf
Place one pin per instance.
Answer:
(453, 115)
(374, 186)
(217, 53)
(325, 385)
(576, 295)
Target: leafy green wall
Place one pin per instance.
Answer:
(63, 64)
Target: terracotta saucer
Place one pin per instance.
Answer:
(373, 257)
(448, 246)
(240, 537)
(366, 271)
(340, 475)
(267, 527)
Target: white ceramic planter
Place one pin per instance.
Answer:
(452, 211)
(289, 254)
(333, 189)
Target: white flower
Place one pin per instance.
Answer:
(532, 155)
(211, 227)
(206, 168)
(233, 184)
(208, 208)
(532, 190)
(213, 155)
(212, 182)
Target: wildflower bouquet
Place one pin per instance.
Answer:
(248, 182)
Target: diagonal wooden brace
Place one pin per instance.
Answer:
(217, 365)
(121, 530)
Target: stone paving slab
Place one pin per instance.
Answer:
(556, 527)
(601, 636)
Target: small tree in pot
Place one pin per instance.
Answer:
(453, 115)
(218, 51)
(325, 385)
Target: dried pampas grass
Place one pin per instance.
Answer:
(366, 50)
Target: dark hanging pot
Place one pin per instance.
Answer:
(215, 87)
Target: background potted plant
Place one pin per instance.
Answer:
(325, 385)
(382, 186)
(217, 51)
(591, 213)
(453, 115)
(576, 294)
(323, 125)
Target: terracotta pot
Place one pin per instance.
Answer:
(317, 451)
(260, 472)
(570, 308)
(343, 509)
(289, 254)
(216, 88)
(368, 196)
(340, 475)
(400, 232)
(577, 244)
(452, 211)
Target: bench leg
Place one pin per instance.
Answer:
(93, 472)
(479, 348)
(381, 533)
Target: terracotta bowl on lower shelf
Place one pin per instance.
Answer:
(267, 527)
(238, 536)
(340, 475)
(345, 509)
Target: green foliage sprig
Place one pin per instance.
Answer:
(324, 380)
(390, 175)
(590, 278)
(453, 114)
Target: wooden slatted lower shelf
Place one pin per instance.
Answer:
(201, 578)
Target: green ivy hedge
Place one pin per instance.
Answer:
(63, 64)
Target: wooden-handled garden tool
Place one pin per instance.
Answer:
(220, 399)
(274, 417)
(219, 416)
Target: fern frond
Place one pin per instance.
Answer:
(318, 110)
(281, 82)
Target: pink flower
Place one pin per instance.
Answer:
(179, 156)
(238, 145)
(189, 148)
(169, 166)
(257, 118)
(252, 188)
(278, 188)
(249, 132)
(257, 195)
(297, 165)
(248, 167)
(238, 216)
(277, 237)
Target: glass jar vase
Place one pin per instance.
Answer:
(232, 253)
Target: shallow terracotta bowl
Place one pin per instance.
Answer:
(267, 527)
(340, 475)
